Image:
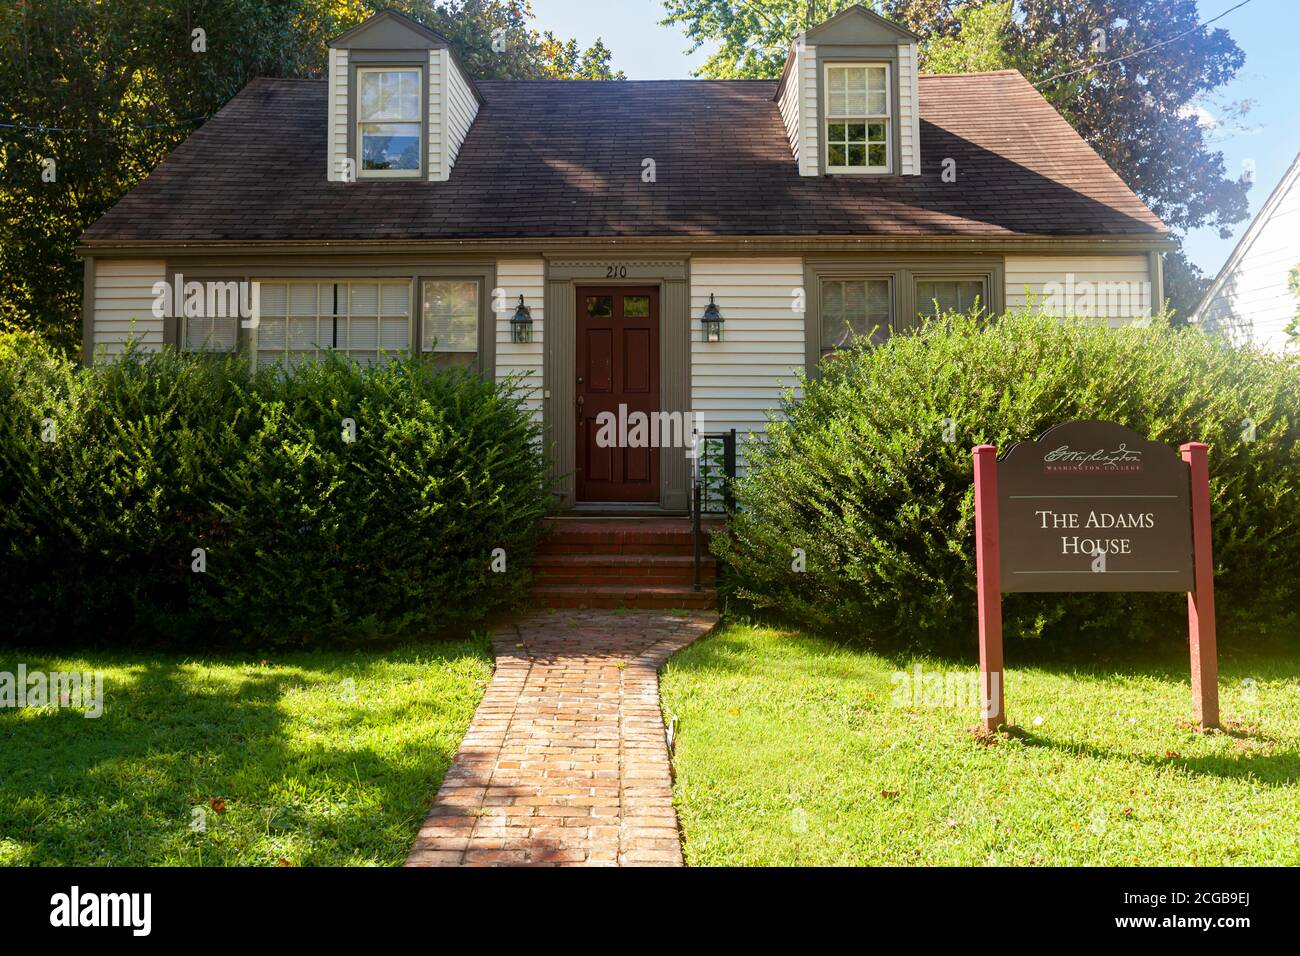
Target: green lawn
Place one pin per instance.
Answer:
(315, 758)
(792, 750)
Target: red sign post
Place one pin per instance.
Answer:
(988, 577)
(1200, 600)
(1093, 506)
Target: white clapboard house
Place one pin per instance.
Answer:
(577, 233)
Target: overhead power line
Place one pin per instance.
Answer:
(33, 129)
(1147, 49)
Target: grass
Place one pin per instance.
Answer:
(793, 751)
(314, 758)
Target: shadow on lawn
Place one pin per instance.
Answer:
(1280, 769)
(121, 789)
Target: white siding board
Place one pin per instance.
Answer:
(909, 112)
(461, 107)
(452, 108)
(809, 113)
(526, 277)
(1121, 285)
(123, 304)
(789, 104)
(737, 381)
(337, 96)
(437, 135)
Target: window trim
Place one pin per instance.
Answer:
(889, 118)
(486, 277)
(904, 269)
(175, 326)
(420, 120)
(365, 65)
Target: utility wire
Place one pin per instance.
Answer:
(35, 129)
(1128, 56)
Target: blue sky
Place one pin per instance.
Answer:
(1268, 31)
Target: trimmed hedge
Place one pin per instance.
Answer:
(858, 474)
(308, 538)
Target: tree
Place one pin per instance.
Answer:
(981, 43)
(1293, 283)
(1127, 74)
(95, 93)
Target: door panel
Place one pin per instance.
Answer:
(600, 367)
(636, 361)
(617, 365)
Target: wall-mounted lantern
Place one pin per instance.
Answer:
(712, 322)
(521, 324)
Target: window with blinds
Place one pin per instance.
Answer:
(451, 321)
(365, 320)
(209, 333)
(855, 311)
(939, 296)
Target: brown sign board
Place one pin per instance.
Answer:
(1094, 506)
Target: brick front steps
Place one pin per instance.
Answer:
(622, 563)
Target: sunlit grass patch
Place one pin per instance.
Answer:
(794, 750)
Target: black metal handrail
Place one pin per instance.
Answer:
(711, 486)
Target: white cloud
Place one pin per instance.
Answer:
(1204, 117)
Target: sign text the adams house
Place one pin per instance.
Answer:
(1093, 506)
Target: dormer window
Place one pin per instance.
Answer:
(858, 118)
(388, 122)
(399, 104)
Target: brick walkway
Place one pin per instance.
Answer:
(565, 761)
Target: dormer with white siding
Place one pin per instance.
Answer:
(399, 103)
(849, 97)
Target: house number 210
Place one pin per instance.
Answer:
(616, 272)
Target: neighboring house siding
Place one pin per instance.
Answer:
(461, 107)
(437, 82)
(1251, 300)
(735, 382)
(809, 111)
(337, 149)
(123, 304)
(524, 277)
(909, 113)
(1119, 287)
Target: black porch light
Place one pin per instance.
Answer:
(712, 322)
(521, 324)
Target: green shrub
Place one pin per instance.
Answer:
(858, 474)
(307, 537)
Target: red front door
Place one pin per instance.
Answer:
(618, 391)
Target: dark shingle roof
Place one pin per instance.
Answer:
(550, 159)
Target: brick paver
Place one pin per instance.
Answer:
(565, 762)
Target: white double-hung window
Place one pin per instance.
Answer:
(858, 118)
(388, 122)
